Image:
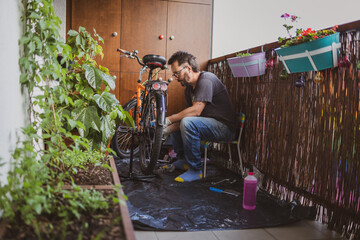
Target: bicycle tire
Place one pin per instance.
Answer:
(150, 139)
(121, 142)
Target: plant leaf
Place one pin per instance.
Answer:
(34, 15)
(38, 208)
(78, 40)
(110, 80)
(72, 123)
(106, 101)
(72, 33)
(89, 117)
(92, 76)
(107, 127)
(129, 121)
(81, 29)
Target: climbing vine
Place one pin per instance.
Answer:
(71, 122)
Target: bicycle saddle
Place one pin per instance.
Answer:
(154, 61)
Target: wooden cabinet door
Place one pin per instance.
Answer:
(138, 24)
(193, 1)
(105, 17)
(190, 24)
(141, 25)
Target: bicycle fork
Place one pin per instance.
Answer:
(139, 90)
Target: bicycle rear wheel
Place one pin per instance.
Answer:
(150, 139)
(121, 142)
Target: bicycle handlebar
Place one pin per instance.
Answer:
(132, 54)
(123, 51)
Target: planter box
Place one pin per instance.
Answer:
(316, 55)
(124, 211)
(127, 227)
(249, 66)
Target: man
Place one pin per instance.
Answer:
(209, 115)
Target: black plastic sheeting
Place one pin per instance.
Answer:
(160, 203)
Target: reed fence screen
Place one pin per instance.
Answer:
(306, 141)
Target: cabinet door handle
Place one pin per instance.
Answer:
(114, 34)
(172, 37)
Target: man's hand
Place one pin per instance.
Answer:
(167, 122)
(166, 132)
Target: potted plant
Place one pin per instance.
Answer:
(247, 65)
(89, 108)
(34, 202)
(309, 50)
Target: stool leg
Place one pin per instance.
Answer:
(205, 157)
(240, 159)
(229, 152)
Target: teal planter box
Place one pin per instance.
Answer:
(316, 55)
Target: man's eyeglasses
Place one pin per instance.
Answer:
(176, 74)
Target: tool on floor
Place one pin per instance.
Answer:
(227, 179)
(227, 191)
(214, 183)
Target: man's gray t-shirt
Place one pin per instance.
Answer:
(211, 90)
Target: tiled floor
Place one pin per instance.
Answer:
(303, 230)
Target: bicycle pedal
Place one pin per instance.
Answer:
(166, 160)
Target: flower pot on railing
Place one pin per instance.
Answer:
(249, 66)
(316, 55)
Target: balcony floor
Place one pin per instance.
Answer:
(302, 230)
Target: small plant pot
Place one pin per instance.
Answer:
(249, 66)
(316, 55)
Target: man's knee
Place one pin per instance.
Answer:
(187, 123)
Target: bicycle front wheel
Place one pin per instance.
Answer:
(150, 138)
(121, 142)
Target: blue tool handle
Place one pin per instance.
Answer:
(216, 190)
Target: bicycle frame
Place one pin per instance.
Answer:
(142, 91)
(148, 106)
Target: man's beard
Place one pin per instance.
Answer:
(183, 83)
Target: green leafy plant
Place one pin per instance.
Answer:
(85, 101)
(302, 35)
(240, 54)
(72, 108)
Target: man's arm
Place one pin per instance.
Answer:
(193, 111)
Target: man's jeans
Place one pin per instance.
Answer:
(186, 142)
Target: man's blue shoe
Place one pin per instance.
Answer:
(181, 164)
(178, 164)
(189, 176)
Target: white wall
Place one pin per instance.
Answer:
(12, 108)
(239, 25)
(60, 11)
(12, 100)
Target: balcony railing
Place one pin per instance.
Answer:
(305, 140)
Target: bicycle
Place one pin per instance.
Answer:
(148, 107)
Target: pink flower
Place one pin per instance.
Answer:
(269, 63)
(344, 61)
(285, 15)
(293, 18)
